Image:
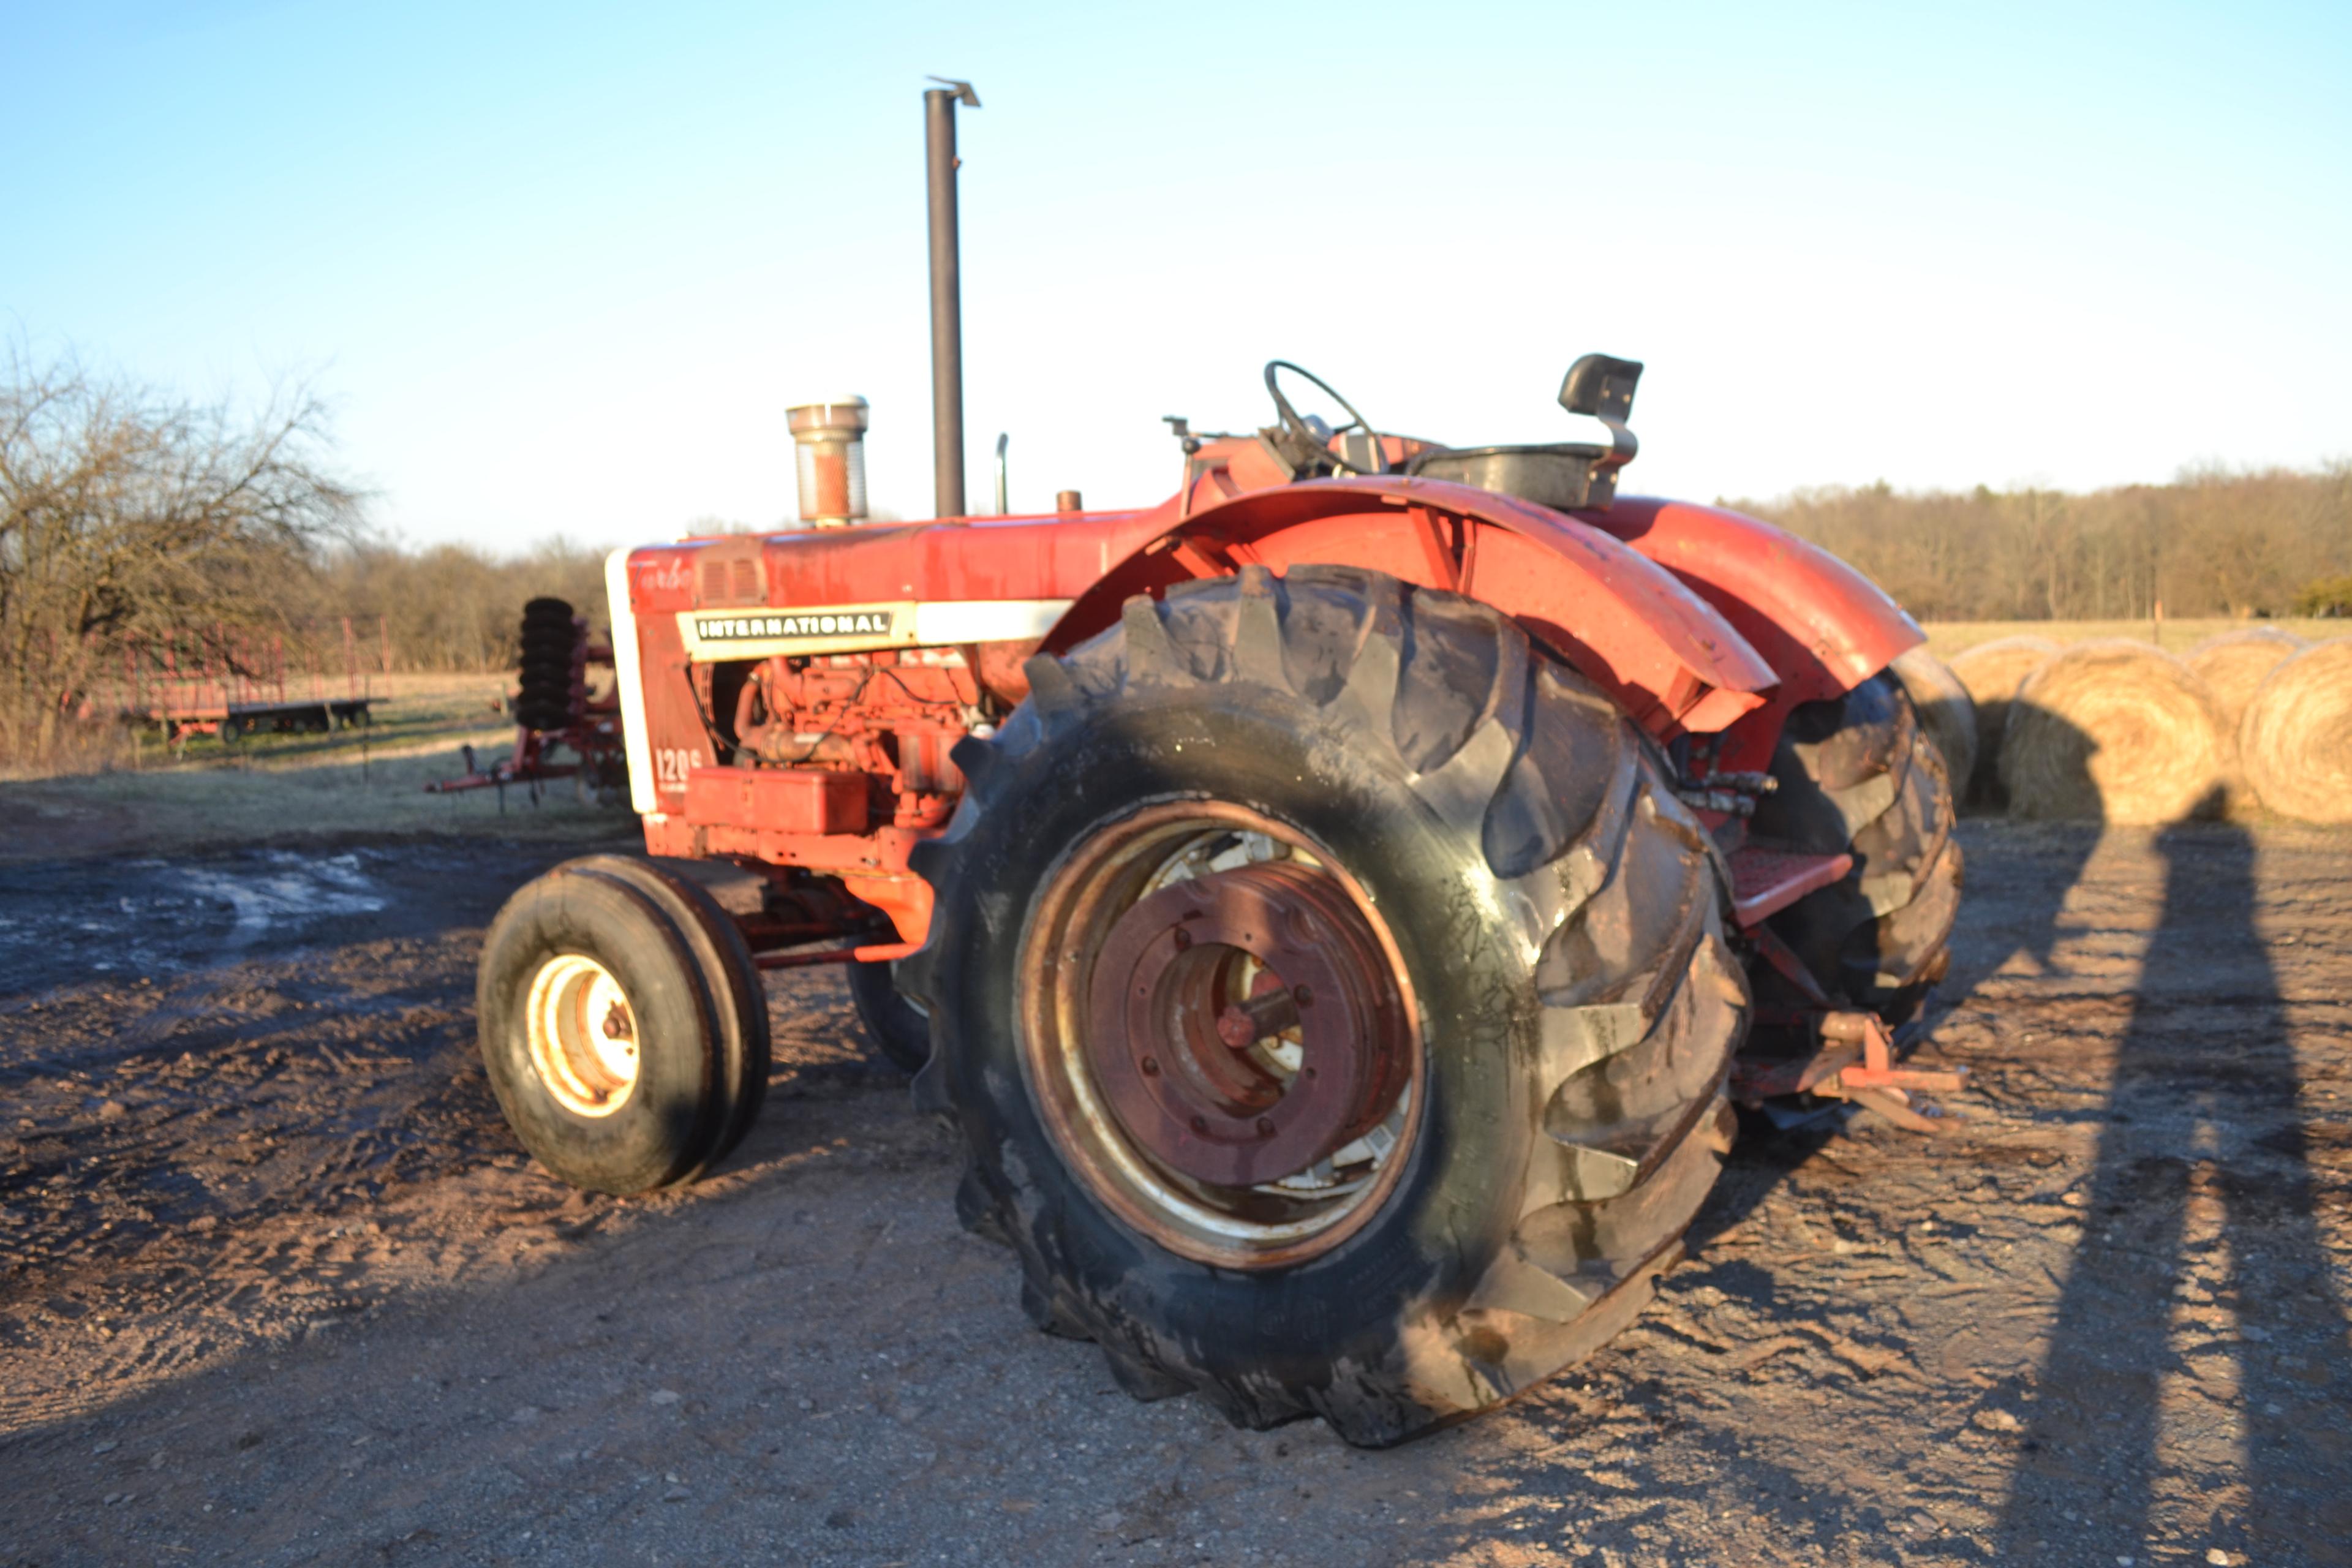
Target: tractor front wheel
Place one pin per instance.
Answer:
(1333, 1000)
(622, 1025)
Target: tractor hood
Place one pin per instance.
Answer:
(844, 590)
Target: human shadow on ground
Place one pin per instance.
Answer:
(2205, 1094)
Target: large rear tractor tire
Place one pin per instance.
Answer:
(1333, 1000)
(622, 1025)
(1859, 775)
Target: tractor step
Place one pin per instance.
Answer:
(1766, 880)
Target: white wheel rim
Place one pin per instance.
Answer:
(583, 1035)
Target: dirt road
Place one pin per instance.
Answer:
(276, 1288)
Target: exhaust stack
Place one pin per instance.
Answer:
(829, 440)
(947, 295)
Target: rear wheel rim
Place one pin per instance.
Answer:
(583, 1036)
(1219, 1031)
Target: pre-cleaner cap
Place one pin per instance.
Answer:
(810, 421)
(828, 436)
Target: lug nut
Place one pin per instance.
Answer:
(1151, 1066)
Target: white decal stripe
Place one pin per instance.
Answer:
(745, 633)
(629, 675)
(987, 620)
(942, 622)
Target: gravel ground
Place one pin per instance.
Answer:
(276, 1287)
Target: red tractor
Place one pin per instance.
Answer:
(1337, 907)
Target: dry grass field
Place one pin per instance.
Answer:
(1949, 637)
(275, 788)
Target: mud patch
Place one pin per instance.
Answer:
(62, 923)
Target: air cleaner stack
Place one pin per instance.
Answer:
(829, 442)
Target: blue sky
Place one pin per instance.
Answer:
(561, 268)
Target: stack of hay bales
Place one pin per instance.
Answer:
(2296, 741)
(1992, 673)
(2233, 665)
(1945, 711)
(2113, 730)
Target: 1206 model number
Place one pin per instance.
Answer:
(672, 763)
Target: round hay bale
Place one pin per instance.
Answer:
(2113, 730)
(1946, 710)
(2235, 663)
(2296, 741)
(1991, 672)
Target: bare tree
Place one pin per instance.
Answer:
(126, 512)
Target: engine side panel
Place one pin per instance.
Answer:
(791, 700)
(959, 583)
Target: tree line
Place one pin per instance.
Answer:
(2212, 542)
(453, 607)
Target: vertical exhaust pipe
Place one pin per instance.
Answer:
(947, 296)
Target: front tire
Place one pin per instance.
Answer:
(615, 1053)
(1524, 992)
(724, 959)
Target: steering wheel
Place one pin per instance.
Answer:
(1303, 432)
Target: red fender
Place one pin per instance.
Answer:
(1672, 660)
(1824, 626)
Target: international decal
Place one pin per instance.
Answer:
(795, 624)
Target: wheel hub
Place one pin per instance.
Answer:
(583, 1035)
(1245, 1024)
